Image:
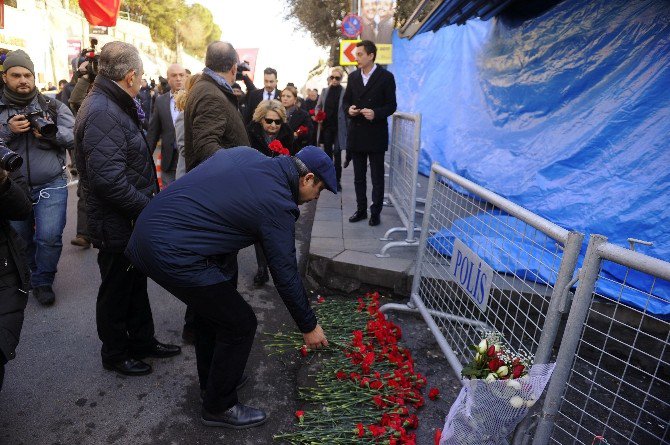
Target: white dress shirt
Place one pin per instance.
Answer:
(366, 77)
(173, 108)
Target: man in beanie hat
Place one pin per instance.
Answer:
(187, 240)
(42, 142)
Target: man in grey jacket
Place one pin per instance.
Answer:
(40, 130)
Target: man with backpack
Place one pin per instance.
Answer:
(40, 130)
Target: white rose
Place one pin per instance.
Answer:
(516, 402)
(530, 402)
(483, 346)
(492, 377)
(514, 384)
(503, 371)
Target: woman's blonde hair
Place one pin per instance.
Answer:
(339, 69)
(181, 95)
(269, 105)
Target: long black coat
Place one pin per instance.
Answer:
(114, 162)
(297, 119)
(14, 206)
(257, 140)
(379, 95)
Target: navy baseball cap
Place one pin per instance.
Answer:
(319, 163)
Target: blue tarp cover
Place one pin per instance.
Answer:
(566, 114)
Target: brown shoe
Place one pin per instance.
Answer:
(81, 241)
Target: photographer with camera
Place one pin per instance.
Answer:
(14, 275)
(38, 129)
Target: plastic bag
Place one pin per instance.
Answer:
(486, 413)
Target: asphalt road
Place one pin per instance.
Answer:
(56, 391)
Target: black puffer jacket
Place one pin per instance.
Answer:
(257, 138)
(114, 162)
(14, 206)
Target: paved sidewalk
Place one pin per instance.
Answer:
(342, 255)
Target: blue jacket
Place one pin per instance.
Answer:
(189, 234)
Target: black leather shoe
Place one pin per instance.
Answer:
(158, 350)
(238, 417)
(130, 367)
(374, 220)
(261, 277)
(243, 381)
(358, 216)
(45, 295)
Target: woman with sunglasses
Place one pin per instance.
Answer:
(267, 127)
(298, 120)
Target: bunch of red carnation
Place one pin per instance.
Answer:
(320, 116)
(302, 130)
(372, 378)
(277, 147)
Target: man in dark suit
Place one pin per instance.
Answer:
(268, 92)
(161, 125)
(369, 100)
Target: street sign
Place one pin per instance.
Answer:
(352, 25)
(348, 48)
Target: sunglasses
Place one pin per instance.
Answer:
(273, 121)
(335, 78)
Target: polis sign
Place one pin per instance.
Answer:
(471, 273)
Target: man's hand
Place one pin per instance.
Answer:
(37, 134)
(353, 111)
(368, 113)
(315, 339)
(19, 124)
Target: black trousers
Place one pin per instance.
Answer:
(260, 257)
(360, 181)
(123, 312)
(11, 320)
(225, 326)
(328, 136)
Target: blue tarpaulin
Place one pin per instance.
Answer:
(566, 114)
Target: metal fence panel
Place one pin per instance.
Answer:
(405, 145)
(520, 302)
(613, 369)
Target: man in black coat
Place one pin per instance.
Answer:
(369, 100)
(161, 124)
(14, 274)
(118, 176)
(268, 92)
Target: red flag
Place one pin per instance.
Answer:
(100, 12)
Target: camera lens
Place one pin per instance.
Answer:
(9, 160)
(46, 128)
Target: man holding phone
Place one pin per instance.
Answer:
(369, 100)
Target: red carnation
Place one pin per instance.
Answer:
(320, 116)
(311, 112)
(320, 299)
(303, 351)
(360, 430)
(437, 436)
(517, 370)
(300, 414)
(495, 364)
(278, 148)
(302, 130)
(433, 393)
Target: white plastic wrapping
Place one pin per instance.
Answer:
(486, 413)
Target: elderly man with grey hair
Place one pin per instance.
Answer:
(212, 119)
(118, 177)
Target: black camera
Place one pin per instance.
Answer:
(9, 160)
(241, 68)
(39, 120)
(89, 55)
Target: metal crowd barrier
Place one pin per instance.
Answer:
(403, 171)
(469, 226)
(613, 368)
